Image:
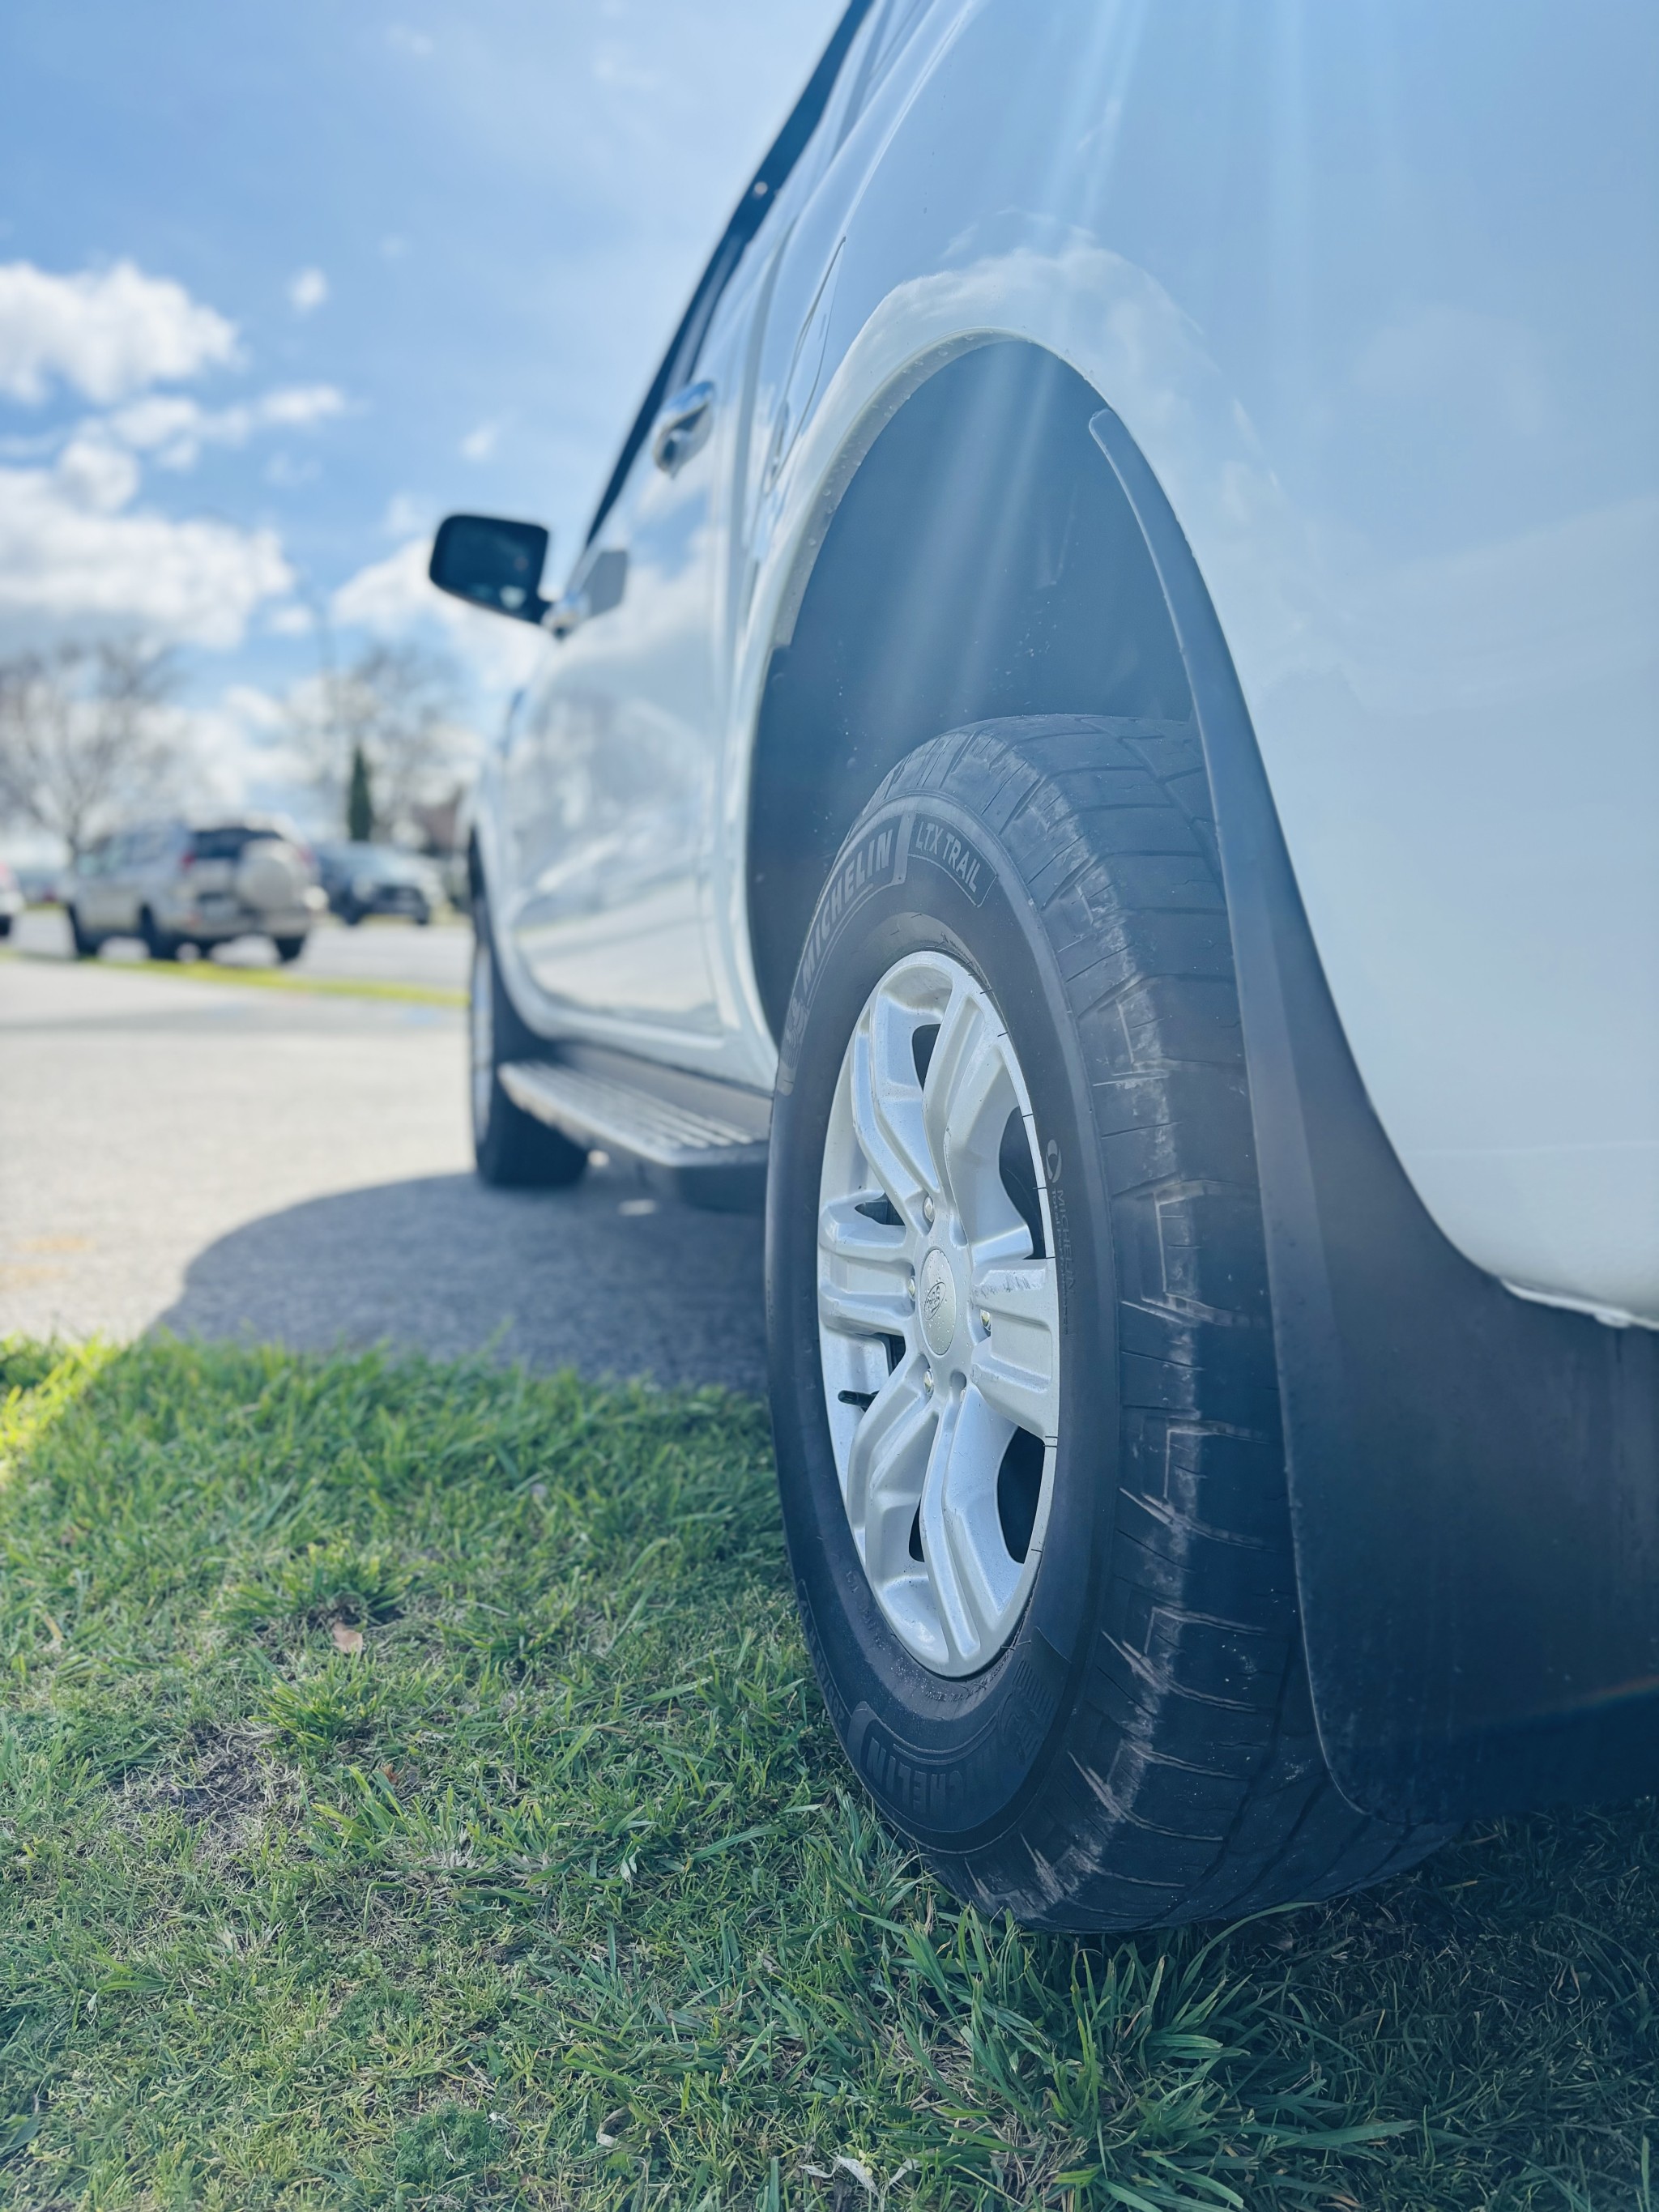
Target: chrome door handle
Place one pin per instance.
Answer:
(683, 427)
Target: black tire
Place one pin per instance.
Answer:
(288, 948)
(1142, 1750)
(85, 942)
(158, 944)
(351, 914)
(511, 1149)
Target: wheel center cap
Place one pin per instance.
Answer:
(936, 1299)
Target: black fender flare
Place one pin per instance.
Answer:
(1474, 1476)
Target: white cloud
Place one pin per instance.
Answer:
(395, 594)
(107, 332)
(242, 750)
(479, 445)
(94, 476)
(391, 594)
(287, 474)
(175, 428)
(613, 65)
(163, 423)
(307, 291)
(299, 405)
(72, 555)
(404, 516)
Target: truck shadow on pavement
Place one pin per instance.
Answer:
(600, 1279)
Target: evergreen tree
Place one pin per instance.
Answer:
(360, 800)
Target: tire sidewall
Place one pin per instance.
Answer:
(955, 1760)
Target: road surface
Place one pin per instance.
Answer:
(231, 1161)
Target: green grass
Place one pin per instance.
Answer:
(281, 979)
(558, 1892)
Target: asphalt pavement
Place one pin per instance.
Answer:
(228, 1161)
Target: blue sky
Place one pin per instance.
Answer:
(280, 285)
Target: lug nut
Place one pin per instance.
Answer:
(927, 1210)
(911, 1286)
(984, 1321)
(927, 1381)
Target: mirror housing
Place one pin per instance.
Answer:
(598, 584)
(491, 563)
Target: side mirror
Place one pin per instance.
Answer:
(491, 563)
(598, 584)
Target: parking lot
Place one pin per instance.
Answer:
(289, 1166)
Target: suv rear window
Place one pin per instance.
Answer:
(223, 844)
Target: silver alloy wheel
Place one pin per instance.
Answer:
(481, 1021)
(938, 1315)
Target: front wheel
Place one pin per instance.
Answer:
(1023, 1386)
(511, 1148)
(289, 949)
(85, 942)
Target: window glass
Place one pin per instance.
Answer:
(223, 843)
(678, 364)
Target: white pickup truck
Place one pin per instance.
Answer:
(1103, 750)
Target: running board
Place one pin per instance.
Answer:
(706, 1141)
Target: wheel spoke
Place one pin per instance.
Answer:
(964, 1077)
(1017, 1367)
(848, 1234)
(863, 1312)
(961, 1480)
(864, 1271)
(886, 1463)
(1010, 1243)
(886, 1100)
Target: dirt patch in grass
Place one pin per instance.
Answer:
(226, 1790)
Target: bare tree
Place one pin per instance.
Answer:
(394, 708)
(84, 735)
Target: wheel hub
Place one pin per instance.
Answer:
(933, 1207)
(938, 1304)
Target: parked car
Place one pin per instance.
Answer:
(363, 879)
(42, 885)
(12, 901)
(174, 884)
(1102, 741)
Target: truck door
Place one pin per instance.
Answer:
(611, 758)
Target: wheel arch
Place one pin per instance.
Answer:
(980, 560)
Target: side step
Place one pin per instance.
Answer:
(703, 1141)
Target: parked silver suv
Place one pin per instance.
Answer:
(175, 883)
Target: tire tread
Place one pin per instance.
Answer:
(1191, 1783)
